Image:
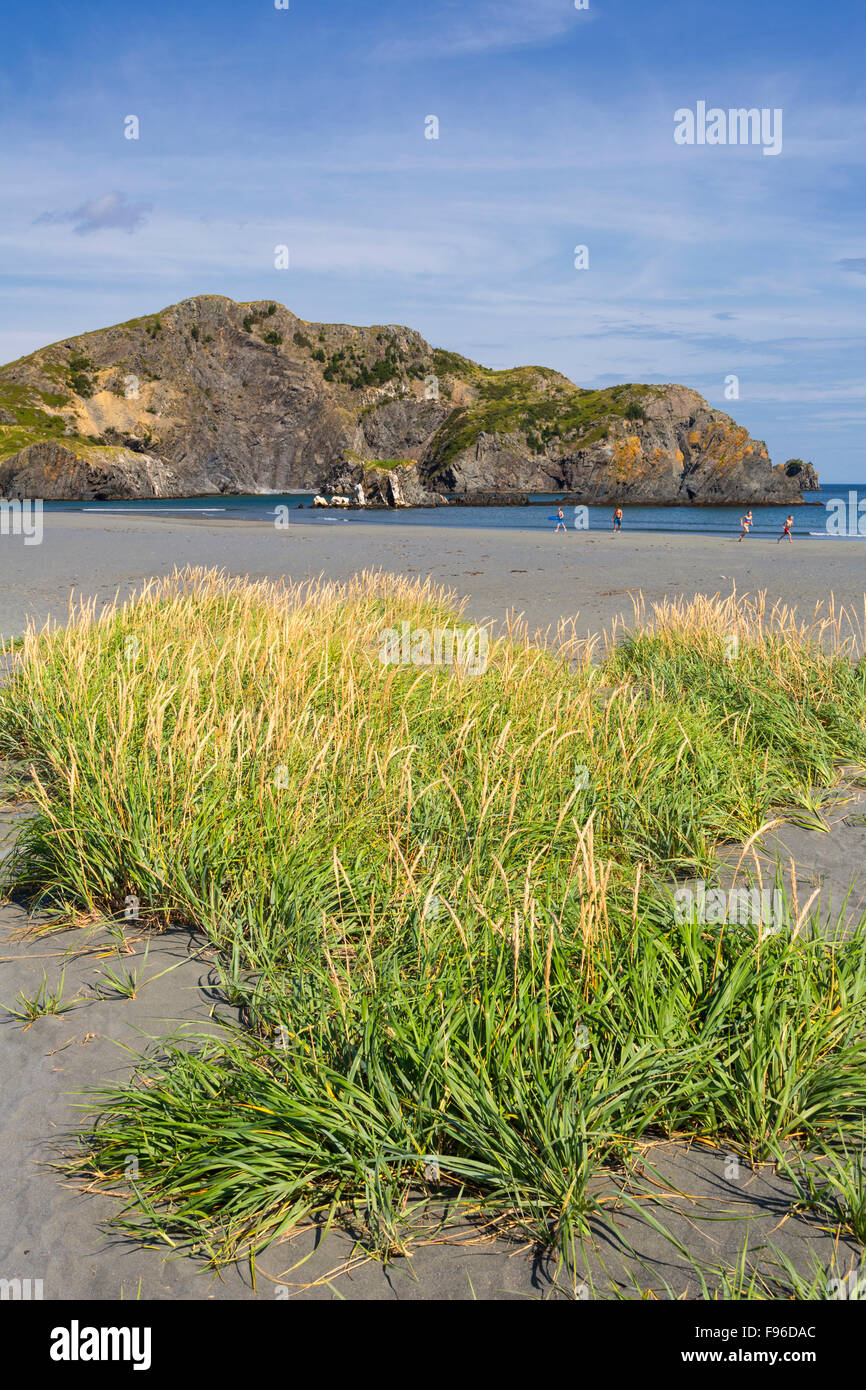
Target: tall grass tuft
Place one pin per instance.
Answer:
(438, 897)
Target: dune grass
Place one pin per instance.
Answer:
(439, 898)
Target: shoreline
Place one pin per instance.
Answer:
(568, 499)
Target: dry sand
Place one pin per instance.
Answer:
(544, 576)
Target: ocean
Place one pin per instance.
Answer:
(835, 512)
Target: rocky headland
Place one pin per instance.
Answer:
(212, 397)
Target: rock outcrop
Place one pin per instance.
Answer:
(492, 499)
(49, 470)
(804, 475)
(210, 397)
(389, 483)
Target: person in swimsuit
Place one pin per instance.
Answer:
(617, 521)
(560, 521)
(786, 530)
(745, 522)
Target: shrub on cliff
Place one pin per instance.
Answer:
(79, 374)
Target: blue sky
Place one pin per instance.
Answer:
(306, 127)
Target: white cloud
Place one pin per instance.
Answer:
(490, 25)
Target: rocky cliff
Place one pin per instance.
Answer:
(210, 396)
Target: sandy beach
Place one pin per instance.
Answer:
(588, 576)
(48, 1231)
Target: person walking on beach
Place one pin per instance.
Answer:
(745, 522)
(560, 520)
(617, 521)
(786, 530)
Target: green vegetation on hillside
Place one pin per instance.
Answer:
(364, 363)
(80, 376)
(536, 401)
(379, 463)
(344, 366)
(257, 315)
(28, 408)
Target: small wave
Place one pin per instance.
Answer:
(153, 511)
(828, 537)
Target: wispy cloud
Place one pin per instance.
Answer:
(113, 211)
(494, 24)
(856, 264)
